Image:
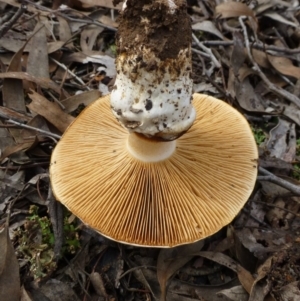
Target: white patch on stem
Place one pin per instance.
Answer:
(172, 6)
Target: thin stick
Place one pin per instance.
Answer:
(259, 46)
(201, 52)
(71, 73)
(34, 129)
(207, 50)
(8, 25)
(268, 176)
(283, 93)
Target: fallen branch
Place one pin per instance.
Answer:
(268, 176)
(8, 25)
(255, 45)
(208, 51)
(34, 129)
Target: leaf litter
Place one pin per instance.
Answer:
(57, 58)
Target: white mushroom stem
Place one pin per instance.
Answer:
(149, 150)
(153, 89)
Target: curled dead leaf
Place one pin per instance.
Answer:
(233, 9)
(284, 66)
(50, 110)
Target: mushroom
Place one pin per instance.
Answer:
(138, 184)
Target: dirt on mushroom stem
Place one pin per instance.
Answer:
(163, 31)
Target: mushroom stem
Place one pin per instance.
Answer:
(153, 89)
(149, 150)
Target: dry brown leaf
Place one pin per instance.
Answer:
(260, 288)
(37, 62)
(12, 91)
(24, 295)
(246, 96)
(12, 149)
(261, 58)
(98, 284)
(244, 276)
(104, 3)
(233, 9)
(65, 34)
(203, 292)
(282, 142)
(284, 66)
(56, 290)
(7, 113)
(170, 260)
(54, 46)
(9, 269)
(238, 54)
(290, 291)
(74, 101)
(108, 21)
(89, 36)
(208, 26)
(277, 17)
(236, 293)
(5, 139)
(43, 82)
(38, 122)
(13, 96)
(15, 45)
(93, 57)
(50, 110)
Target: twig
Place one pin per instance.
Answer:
(208, 51)
(268, 176)
(34, 129)
(201, 52)
(259, 46)
(71, 73)
(202, 63)
(6, 26)
(283, 93)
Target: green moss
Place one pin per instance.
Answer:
(35, 243)
(259, 135)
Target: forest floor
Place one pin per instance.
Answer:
(57, 58)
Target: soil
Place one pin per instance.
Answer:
(165, 35)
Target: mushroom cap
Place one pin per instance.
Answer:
(190, 195)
